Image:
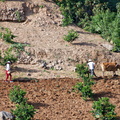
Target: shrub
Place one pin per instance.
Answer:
(7, 35)
(88, 80)
(86, 92)
(3, 0)
(85, 86)
(78, 86)
(103, 110)
(18, 47)
(8, 56)
(97, 16)
(17, 13)
(17, 95)
(84, 89)
(82, 70)
(23, 112)
(72, 35)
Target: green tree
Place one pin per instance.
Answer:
(85, 86)
(23, 112)
(17, 95)
(103, 110)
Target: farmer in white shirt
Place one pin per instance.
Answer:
(91, 66)
(8, 72)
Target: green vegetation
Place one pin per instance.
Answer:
(41, 6)
(3, 0)
(103, 110)
(15, 47)
(97, 16)
(6, 35)
(85, 90)
(18, 47)
(85, 86)
(23, 110)
(72, 35)
(82, 70)
(17, 95)
(8, 56)
(17, 13)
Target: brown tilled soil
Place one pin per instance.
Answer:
(54, 99)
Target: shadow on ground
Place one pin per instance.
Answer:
(96, 96)
(118, 118)
(18, 69)
(25, 79)
(38, 105)
(85, 43)
(109, 77)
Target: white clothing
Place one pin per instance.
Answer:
(91, 65)
(8, 67)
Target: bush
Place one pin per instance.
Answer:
(87, 92)
(23, 112)
(85, 86)
(97, 16)
(82, 70)
(8, 56)
(103, 110)
(17, 95)
(3, 0)
(84, 89)
(72, 35)
(17, 13)
(7, 35)
(78, 86)
(18, 47)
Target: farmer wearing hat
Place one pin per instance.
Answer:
(91, 66)
(8, 71)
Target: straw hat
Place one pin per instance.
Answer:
(8, 62)
(89, 60)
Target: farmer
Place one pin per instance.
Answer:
(91, 66)
(8, 71)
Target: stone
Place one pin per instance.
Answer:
(6, 116)
(57, 67)
(107, 46)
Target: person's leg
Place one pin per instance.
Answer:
(7, 75)
(94, 73)
(10, 77)
(90, 71)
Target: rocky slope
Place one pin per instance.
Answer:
(41, 28)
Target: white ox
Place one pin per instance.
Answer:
(109, 66)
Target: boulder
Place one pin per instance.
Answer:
(6, 116)
(107, 46)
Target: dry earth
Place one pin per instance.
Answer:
(52, 95)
